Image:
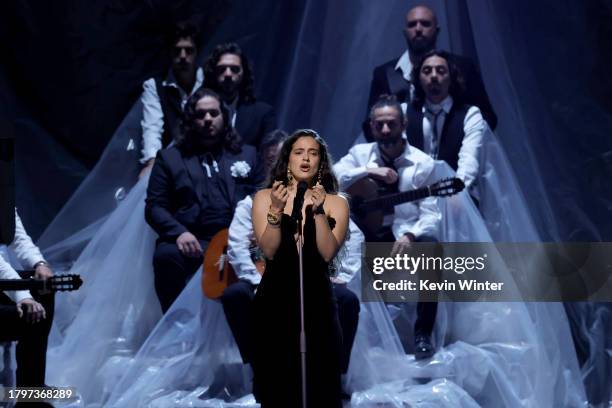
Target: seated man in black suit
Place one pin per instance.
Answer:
(393, 77)
(193, 191)
(228, 72)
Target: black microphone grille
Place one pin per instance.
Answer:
(302, 186)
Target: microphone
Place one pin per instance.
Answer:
(298, 201)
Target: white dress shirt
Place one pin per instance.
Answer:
(153, 116)
(474, 127)
(414, 168)
(241, 236)
(404, 65)
(240, 239)
(26, 253)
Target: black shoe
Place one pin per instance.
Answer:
(423, 348)
(227, 384)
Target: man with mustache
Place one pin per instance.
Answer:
(393, 77)
(228, 72)
(440, 122)
(163, 99)
(397, 166)
(193, 190)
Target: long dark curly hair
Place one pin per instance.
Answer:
(457, 86)
(246, 92)
(187, 130)
(279, 171)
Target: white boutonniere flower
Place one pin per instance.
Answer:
(240, 169)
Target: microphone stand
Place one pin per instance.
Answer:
(302, 325)
(297, 217)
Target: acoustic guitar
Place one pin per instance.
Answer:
(217, 273)
(57, 283)
(368, 206)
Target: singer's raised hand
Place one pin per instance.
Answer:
(278, 196)
(318, 196)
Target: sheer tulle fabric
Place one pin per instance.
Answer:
(493, 354)
(502, 354)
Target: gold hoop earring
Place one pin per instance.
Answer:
(289, 176)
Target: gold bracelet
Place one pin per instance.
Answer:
(274, 219)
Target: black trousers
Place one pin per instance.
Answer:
(31, 352)
(426, 311)
(172, 271)
(237, 304)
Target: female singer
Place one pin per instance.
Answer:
(276, 363)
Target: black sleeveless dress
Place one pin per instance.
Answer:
(276, 361)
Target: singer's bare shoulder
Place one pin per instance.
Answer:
(337, 200)
(263, 195)
(337, 204)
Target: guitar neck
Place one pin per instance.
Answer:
(21, 284)
(392, 200)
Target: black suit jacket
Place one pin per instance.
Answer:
(173, 202)
(387, 80)
(254, 120)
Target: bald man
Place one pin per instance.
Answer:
(393, 78)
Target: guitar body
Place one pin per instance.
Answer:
(217, 273)
(369, 221)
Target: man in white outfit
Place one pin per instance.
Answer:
(26, 316)
(163, 99)
(397, 166)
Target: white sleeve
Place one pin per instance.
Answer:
(424, 217)
(240, 237)
(152, 121)
(348, 170)
(27, 253)
(7, 272)
(429, 219)
(473, 127)
(350, 262)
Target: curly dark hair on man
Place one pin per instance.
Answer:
(279, 171)
(187, 130)
(457, 86)
(246, 92)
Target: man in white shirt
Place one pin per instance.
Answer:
(397, 167)
(440, 122)
(163, 100)
(23, 318)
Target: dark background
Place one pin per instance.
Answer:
(72, 70)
